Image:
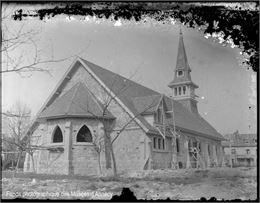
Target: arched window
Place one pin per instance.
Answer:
(177, 145)
(179, 90)
(84, 134)
(209, 151)
(57, 135)
(184, 89)
(175, 91)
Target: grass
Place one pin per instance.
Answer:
(176, 183)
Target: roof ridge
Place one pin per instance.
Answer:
(120, 75)
(136, 90)
(151, 95)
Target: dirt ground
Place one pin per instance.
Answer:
(185, 184)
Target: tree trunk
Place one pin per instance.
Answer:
(34, 170)
(99, 164)
(114, 161)
(18, 160)
(107, 150)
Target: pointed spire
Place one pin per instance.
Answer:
(181, 65)
(182, 85)
(182, 61)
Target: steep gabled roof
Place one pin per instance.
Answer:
(146, 104)
(130, 94)
(76, 102)
(139, 98)
(123, 88)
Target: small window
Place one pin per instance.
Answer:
(57, 136)
(184, 89)
(163, 144)
(209, 149)
(179, 90)
(159, 143)
(233, 151)
(175, 91)
(180, 73)
(84, 135)
(247, 151)
(177, 145)
(159, 115)
(154, 142)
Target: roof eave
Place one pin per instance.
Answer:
(201, 134)
(75, 116)
(172, 84)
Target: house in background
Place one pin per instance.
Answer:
(240, 149)
(161, 131)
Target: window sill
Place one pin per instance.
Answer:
(83, 144)
(56, 144)
(160, 151)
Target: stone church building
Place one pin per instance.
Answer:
(92, 107)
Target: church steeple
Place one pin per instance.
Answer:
(182, 61)
(182, 85)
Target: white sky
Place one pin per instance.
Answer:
(150, 49)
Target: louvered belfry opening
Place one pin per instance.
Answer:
(84, 134)
(57, 136)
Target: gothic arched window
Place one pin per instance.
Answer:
(84, 134)
(57, 135)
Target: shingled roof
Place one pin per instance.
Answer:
(141, 100)
(76, 102)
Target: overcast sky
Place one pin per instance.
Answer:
(226, 89)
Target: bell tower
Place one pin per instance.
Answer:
(182, 86)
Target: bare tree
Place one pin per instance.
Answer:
(108, 125)
(18, 121)
(18, 39)
(18, 140)
(98, 143)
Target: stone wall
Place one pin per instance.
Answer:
(131, 148)
(162, 158)
(82, 75)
